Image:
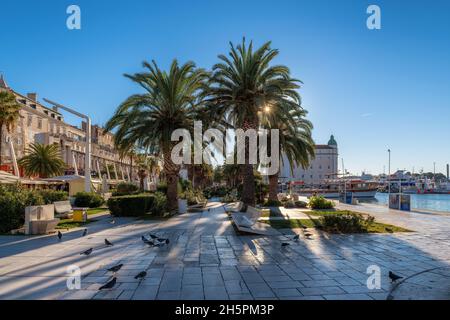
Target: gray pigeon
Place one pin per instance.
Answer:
(116, 268)
(109, 284)
(141, 275)
(108, 243)
(296, 237)
(284, 244)
(87, 252)
(59, 235)
(394, 277)
(84, 232)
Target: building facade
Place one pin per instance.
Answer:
(39, 123)
(324, 166)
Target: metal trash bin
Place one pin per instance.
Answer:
(80, 214)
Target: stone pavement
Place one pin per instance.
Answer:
(206, 259)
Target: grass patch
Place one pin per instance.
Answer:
(329, 212)
(70, 224)
(374, 227)
(291, 223)
(96, 210)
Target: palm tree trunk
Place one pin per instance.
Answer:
(131, 168)
(273, 187)
(248, 185)
(1, 142)
(171, 171)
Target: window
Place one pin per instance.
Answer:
(311, 176)
(39, 123)
(33, 106)
(329, 167)
(45, 111)
(53, 115)
(59, 118)
(320, 167)
(30, 120)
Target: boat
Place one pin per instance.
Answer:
(332, 189)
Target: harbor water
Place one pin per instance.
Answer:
(434, 202)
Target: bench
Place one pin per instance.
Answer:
(237, 208)
(63, 209)
(200, 204)
(40, 219)
(248, 222)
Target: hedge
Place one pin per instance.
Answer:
(319, 202)
(14, 199)
(126, 188)
(137, 205)
(88, 199)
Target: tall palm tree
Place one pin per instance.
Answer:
(295, 140)
(243, 85)
(9, 114)
(148, 120)
(42, 160)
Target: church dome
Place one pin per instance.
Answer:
(332, 142)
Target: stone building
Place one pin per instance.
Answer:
(46, 125)
(323, 166)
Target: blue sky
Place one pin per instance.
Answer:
(372, 89)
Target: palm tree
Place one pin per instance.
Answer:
(148, 120)
(9, 114)
(42, 160)
(296, 143)
(242, 86)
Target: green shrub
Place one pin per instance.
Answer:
(51, 196)
(272, 203)
(162, 187)
(88, 199)
(349, 222)
(289, 204)
(301, 204)
(126, 188)
(319, 202)
(159, 204)
(138, 205)
(13, 200)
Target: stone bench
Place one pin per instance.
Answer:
(237, 208)
(40, 219)
(63, 209)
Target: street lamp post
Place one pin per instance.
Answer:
(389, 175)
(88, 150)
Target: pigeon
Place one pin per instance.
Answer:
(84, 232)
(59, 235)
(108, 243)
(109, 284)
(284, 244)
(161, 242)
(87, 252)
(147, 241)
(112, 221)
(115, 268)
(296, 237)
(393, 276)
(141, 275)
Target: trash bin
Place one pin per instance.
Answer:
(79, 214)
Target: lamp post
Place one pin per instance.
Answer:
(88, 150)
(389, 175)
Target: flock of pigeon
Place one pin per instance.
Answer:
(154, 241)
(150, 240)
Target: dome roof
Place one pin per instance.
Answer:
(332, 142)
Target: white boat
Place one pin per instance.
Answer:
(332, 189)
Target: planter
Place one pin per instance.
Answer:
(182, 206)
(40, 219)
